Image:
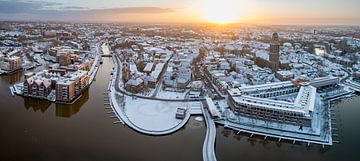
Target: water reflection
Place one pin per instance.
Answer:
(226, 132)
(68, 110)
(36, 104)
(62, 110)
(13, 77)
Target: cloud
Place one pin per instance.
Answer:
(134, 10)
(73, 8)
(18, 6)
(41, 10)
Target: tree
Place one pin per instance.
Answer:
(55, 42)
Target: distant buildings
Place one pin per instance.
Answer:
(63, 58)
(284, 75)
(10, 64)
(125, 72)
(148, 68)
(156, 74)
(49, 33)
(356, 75)
(197, 86)
(178, 78)
(135, 85)
(340, 60)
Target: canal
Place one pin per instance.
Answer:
(32, 129)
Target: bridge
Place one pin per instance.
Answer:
(196, 110)
(209, 142)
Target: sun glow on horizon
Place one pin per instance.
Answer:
(220, 11)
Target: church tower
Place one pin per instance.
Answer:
(274, 52)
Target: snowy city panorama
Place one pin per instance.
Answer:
(204, 80)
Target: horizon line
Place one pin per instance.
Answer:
(164, 22)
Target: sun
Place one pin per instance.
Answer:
(220, 11)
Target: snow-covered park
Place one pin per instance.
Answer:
(152, 116)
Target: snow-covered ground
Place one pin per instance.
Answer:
(38, 58)
(153, 115)
(171, 94)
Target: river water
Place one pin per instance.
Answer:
(37, 130)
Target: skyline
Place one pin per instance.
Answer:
(281, 12)
(193, 80)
